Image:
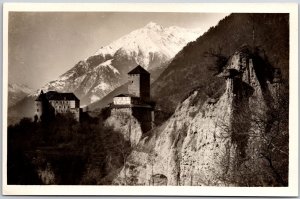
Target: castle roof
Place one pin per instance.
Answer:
(138, 70)
(125, 95)
(53, 95)
(116, 106)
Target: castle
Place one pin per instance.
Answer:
(51, 103)
(137, 101)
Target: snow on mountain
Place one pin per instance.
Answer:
(151, 46)
(94, 98)
(149, 40)
(87, 82)
(17, 92)
(108, 64)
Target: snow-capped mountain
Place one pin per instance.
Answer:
(88, 82)
(151, 46)
(150, 42)
(17, 92)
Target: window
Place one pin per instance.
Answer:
(37, 110)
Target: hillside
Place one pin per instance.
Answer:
(191, 67)
(239, 138)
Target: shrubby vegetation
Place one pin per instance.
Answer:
(76, 153)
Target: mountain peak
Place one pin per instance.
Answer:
(152, 39)
(152, 25)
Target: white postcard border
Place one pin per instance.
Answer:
(291, 190)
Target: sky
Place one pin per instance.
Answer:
(44, 45)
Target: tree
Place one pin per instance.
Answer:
(260, 136)
(119, 147)
(220, 59)
(151, 159)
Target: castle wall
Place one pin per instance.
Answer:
(145, 87)
(134, 85)
(44, 109)
(59, 106)
(77, 104)
(122, 100)
(139, 86)
(47, 105)
(76, 113)
(121, 110)
(63, 106)
(144, 116)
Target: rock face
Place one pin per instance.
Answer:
(126, 124)
(218, 142)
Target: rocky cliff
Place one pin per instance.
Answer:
(222, 141)
(127, 125)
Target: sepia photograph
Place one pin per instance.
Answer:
(166, 96)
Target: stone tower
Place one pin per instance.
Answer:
(139, 83)
(137, 101)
